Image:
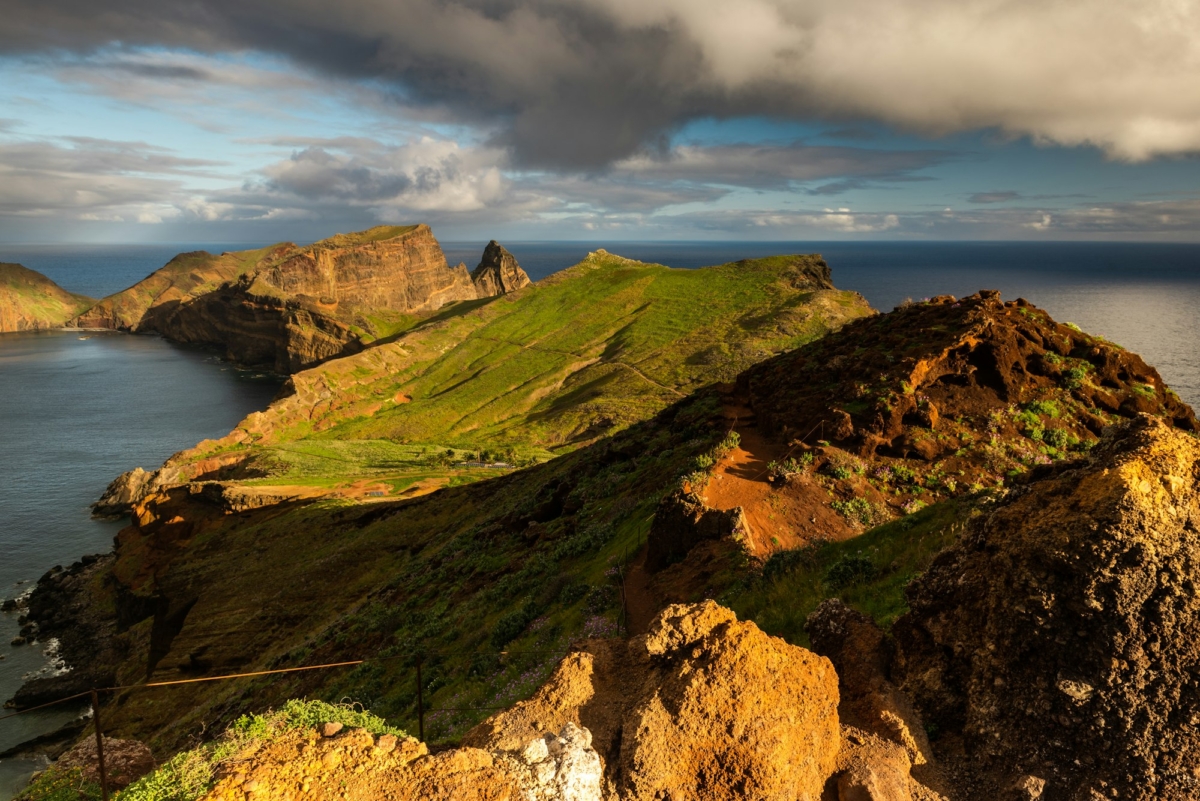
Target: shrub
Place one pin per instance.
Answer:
(1075, 377)
(859, 509)
(848, 570)
(60, 785)
(1047, 407)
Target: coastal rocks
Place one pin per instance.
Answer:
(498, 272)
(29, 301)
(905, 384)
(124, 491)
(125, 761)
(701, 707)
(1060, 637)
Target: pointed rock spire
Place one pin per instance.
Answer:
(498, 272)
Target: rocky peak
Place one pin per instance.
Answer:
(498, 272)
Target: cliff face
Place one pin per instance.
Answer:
(30, 301)
(292, 307)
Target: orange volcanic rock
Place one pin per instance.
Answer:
(701, 707)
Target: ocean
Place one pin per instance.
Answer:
(75, 412)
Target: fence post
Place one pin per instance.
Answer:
(420, 705)
(99, 746)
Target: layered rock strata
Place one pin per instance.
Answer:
(290, 307)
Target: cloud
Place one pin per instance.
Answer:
(89, 178)
(994, 197)
(585, 84)
(777, 166)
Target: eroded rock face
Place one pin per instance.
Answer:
(1060, 637)
(290, 307)
(682, 521)
(498, 272)
(701, 707)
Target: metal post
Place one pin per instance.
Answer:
(99, 746)
(420, 706)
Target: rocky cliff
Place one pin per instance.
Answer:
(498, 272)
(30, 301)
(291, 307)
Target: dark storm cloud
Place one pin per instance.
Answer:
(583, 84)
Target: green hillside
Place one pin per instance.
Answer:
(584, 353)
(31, 301)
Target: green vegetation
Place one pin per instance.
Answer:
(29, 300)
(582, 354)
(868, 572)
(190, 774)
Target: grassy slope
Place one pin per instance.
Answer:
(186, 276)
(524, 562)
(587, 351)
(31, 300)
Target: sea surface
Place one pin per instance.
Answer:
(75, 412)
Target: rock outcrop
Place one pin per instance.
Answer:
(701, 707)
(29, 301)
(1059, 639)
(291, 307)
(498, 272)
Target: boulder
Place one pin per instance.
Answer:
(1059, 638)
(701, 707)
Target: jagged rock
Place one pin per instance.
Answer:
(682, 521)
(871, 768)
(702, 707)
(862, 656)
(127, 489)
(498, 272)
(562, 767)
(1060, 637)
(125, 761)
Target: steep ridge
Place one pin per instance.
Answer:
(29, 301)
(291, 307)
(528, 562)
(544, 369)
(901, 410)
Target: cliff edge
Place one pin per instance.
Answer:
(291, 307)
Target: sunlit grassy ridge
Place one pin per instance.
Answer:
(31, 300)
(585, 352)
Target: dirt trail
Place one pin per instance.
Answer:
(641, 604)
(780, 517)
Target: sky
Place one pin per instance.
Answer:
(265, 120)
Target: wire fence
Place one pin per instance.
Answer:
(93, 695)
